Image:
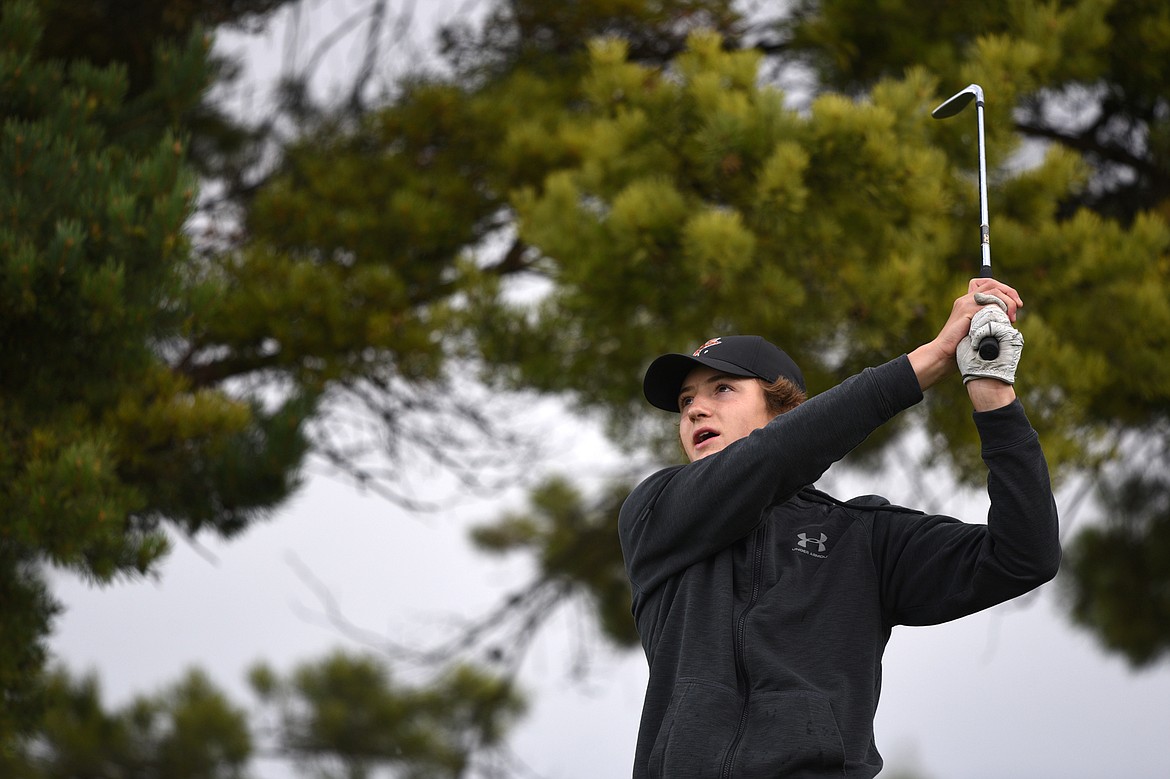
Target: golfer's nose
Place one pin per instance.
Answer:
(697, 409)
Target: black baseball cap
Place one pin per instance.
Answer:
(736, 355)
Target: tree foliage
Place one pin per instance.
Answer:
(341, 716)
(576, 548)
(1119, 582)
(663, 195)
(588, 185)
(684, 199)
(188, 731)
(1086, 82)
(1076, 77)
(102, 440)
(347, 715)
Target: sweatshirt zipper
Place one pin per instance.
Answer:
(740, 653)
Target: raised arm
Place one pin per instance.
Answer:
(935, 569)
(684, 514)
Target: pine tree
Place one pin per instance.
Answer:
(1078, 78)
(189, 730)
(349, 711)
(102, 440)
(342, 715)
(666, 194)
(629, 157)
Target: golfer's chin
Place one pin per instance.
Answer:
(705, 449)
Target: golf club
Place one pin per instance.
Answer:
(988, 347)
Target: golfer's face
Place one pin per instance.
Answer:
(717, 409)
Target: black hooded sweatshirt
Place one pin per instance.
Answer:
(764, 605)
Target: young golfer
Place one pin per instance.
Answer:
(763, 604)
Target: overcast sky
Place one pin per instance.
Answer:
(1013, 692)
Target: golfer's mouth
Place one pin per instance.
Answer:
(702, 436)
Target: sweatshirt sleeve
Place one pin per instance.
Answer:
(684, 514)
(934, 569)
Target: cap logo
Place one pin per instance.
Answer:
(708, 345)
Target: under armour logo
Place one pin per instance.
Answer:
(805, 541)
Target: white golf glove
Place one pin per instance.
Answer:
(991, 320)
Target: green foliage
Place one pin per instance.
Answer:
(1120, 566)
(1084, 235)
(688, 210)
(548, 38)
(188, 731)
(627, 155)
(28, 613)
(342, 716)
(349, 717)
(575, 544)
(100, 440)
(352, 249)
(1079, 74)
(691, 200)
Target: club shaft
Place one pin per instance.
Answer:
(984, 227)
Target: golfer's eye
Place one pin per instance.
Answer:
(685, 401)
(724, 388)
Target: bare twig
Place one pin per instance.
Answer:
(502, 636)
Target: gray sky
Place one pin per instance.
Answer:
(1011, 692)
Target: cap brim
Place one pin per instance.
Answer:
(665, 376)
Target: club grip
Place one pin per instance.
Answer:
(988, 347)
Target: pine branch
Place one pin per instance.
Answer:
(1086, 142)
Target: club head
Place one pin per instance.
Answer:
(959, 101)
